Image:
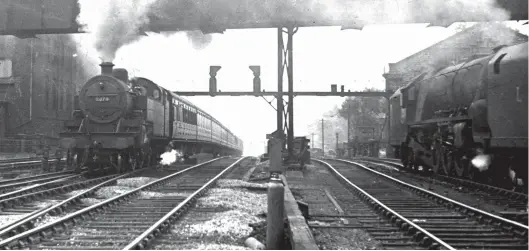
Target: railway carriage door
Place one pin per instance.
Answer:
(172, 116)
(167, 113)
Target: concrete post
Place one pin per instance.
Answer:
(276, 147)
(275, 229)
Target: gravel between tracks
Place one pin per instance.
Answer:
(222, 219)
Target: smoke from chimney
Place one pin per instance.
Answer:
(124, 20)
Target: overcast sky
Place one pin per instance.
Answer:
(322, 56)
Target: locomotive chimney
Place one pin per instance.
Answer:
(106, 68)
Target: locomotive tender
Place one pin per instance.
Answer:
(443, 120)
(121, 124)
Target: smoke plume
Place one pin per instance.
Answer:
(199, 39)
(124, 20)
(120, 26)
(209, 13)
(436, 12)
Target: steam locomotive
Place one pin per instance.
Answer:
(468, 120)
(120, 124)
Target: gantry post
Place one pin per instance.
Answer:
(290, 73)
(279, 79)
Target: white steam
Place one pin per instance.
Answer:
(169, 158)
(118, 23)
(481, 162)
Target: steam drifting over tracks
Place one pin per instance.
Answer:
(499, 201)
(430, 219)
(115, 222)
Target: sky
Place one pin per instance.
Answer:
(322, 56)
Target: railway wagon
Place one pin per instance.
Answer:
(120, 124)
(468, 120)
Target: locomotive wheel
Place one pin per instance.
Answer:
(514, 178)
(141, 159)
(437, 159)
(410, 162)
(72, 161)
(404, 156)
(69, 159)
(133, 161)
(459, 166)
(472, 172)
(147, 158)
(120, 164)
(447, 161)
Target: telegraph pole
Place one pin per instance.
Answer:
(348, 127)
(312, 140)
(337, 144)
(322, 138)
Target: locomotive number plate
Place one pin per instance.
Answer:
(102, 99)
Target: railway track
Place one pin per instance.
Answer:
(9, 185)
(4, 161)
(506, 203)
(428, 219)
(13, 169)
(25, 205)
(129, 220)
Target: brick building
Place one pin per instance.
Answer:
(38, 80)
(477, 39)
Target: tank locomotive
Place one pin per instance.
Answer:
(468, 120)
(120, 124)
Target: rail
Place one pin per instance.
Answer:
(73, 218)
(386, 208)
(144, 239)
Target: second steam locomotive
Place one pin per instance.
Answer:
(468, 120)
(120, 124)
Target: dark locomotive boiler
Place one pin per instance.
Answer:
(468, 120)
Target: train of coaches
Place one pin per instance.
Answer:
(120, 124)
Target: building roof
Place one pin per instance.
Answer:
(473, 28)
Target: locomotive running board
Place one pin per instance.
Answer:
(439, 120)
